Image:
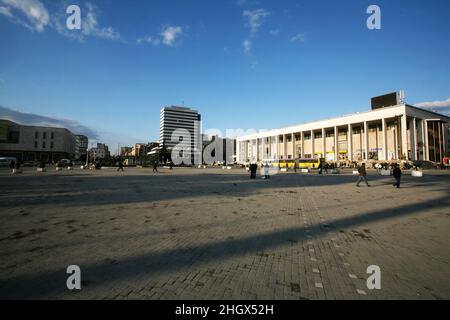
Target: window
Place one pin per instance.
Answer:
(51, 145)
(307, 136)
(297, 137)
(317, 135)
(36, 135)
(43, 145)
(35, 144)
(52, 135)
(329, 134)
(44, 135)
(289, 138)
(357, 130)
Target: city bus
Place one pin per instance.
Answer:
(309, 163)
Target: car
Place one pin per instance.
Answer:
(5, 161)
(30, 163)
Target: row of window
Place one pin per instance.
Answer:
(44, 135)
(44, 145)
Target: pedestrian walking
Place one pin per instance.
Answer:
(171, 165)
(12, 165)
(253, 168)
(397, 173)
(266, 171)
(362, 175)
(120, 168)
(155, 166)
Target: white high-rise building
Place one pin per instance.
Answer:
(178, 124)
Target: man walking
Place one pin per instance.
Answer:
(266, 171)
(362, 175)
(397, 173)
(120, 168)
(155, 166)
(253, 168)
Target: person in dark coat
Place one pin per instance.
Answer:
(397, 173)
(155, 166)
(253, 168)
(120, 168)
(12, 165)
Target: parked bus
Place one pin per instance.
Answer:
(309, 163)
(306, 163)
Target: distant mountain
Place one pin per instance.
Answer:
(37, 120)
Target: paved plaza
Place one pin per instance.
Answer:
(216, 234)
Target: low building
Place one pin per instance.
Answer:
(35, 143)
(387, 132)
(125, 151)
(81, 146)
(99, 152)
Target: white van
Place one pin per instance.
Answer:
(5, 161)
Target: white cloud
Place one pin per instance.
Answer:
(35, 14)
(6, 11)
(434, 104)
(247, 45)
(170, 34)
(90, 25)
(298, 38)
(149, 39)
(275, 32)
(255, 19)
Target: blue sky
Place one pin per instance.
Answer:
(242, 64)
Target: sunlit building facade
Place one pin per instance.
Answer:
(399, 132)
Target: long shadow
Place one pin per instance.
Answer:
(78, 190)
(52, 283)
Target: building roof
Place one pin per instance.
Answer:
(358, 117)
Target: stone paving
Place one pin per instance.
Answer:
(216, 234)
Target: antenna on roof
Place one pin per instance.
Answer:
(401, 97)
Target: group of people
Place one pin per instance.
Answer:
(154, 166)
(362, 173)
(396, 173)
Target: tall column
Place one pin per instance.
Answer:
(312, 144)
(414, 155)
(350, 143)
(440, 142)
(336, 151)
(404, 135)
(277, 146)
(238, 149)
(293, 145)
(444, 138)
(427, 146)
(324, 144)
(384, 134)
(302, 144)
(366, 142)
(284, 146)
